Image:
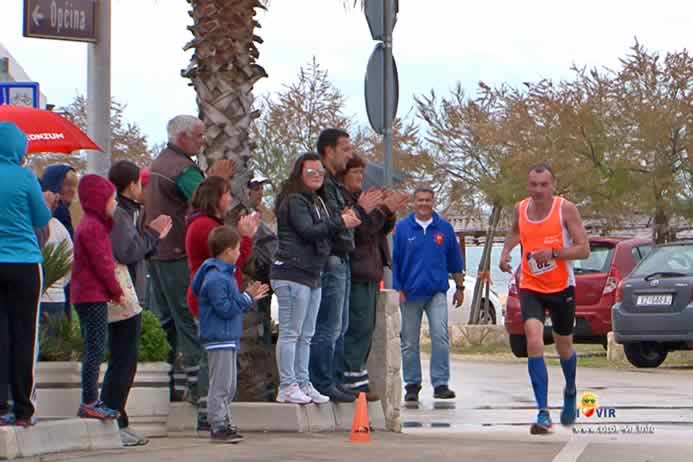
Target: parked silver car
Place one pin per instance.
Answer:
(460, 315)
(653, 314)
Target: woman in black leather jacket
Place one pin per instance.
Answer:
(304, 227)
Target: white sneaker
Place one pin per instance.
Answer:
(130, 438)
(314, 394)
(293, 394)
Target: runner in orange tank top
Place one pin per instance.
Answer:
(551, 234)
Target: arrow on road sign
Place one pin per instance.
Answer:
(37, 16)
(74, 19)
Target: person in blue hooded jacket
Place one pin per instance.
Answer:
(222, 306)
(425, 252)
(62, 180)
(22, 209)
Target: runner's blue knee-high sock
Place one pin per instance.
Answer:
(569, 367)
(540, 380)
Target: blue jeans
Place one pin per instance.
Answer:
(327, 348)
(436, 309)
(298, 309)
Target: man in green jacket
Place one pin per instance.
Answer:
(174, 177)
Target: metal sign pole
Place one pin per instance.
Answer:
(387, 96)
(387, 131)
(99, 91)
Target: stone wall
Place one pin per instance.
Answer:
(384, 362)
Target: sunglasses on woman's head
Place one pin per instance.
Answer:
(315, 172)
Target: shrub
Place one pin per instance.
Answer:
(154, 346)
(66, 343)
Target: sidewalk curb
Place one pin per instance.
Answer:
(58, 436)
(278, 417)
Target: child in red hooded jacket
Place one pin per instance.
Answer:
(93, 285)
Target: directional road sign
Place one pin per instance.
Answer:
(60, 19)
(375, 86)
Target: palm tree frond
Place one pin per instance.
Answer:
(57, 263)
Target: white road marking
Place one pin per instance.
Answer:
(571, 451)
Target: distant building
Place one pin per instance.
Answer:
(12, 71)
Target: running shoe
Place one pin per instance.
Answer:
(228, 435)
(543, 424)
(98, 410)
(7, 420)
(568, 413)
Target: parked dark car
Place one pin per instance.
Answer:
(653, 314)
(596, 279)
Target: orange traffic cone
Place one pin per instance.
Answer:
(360, 427)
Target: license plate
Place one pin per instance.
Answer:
(654, 299)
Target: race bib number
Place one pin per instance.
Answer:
(537, 268)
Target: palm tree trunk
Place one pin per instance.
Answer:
(223, 70)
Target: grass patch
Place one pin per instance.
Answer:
(589, 355)
(471, 350)
(502, 349)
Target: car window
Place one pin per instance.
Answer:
(640, 252)
(675, 258)
(598, 261)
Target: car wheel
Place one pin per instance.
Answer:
(605, 343)
(518, 345)
(645, 354)
(487, 317)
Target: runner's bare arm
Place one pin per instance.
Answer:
(512, 239)
(581, 246)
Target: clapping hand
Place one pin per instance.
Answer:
(162, 225)
(395, 200)
(224, 168)
(248, 224)
(258, 290)
(370, 200)
(51, 199)
(350, 219)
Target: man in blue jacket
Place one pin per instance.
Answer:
(425, 252)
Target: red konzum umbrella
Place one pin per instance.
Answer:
(47, 131)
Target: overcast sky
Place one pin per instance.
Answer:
(437, 43)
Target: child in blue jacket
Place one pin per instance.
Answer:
(222, 307)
